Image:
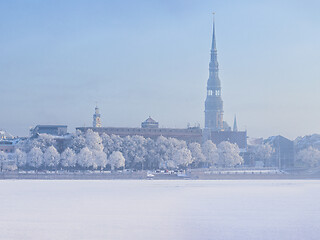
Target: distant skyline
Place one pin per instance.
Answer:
(151, 58)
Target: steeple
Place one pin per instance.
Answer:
(213, 47)
(214, 103)
(235, 127)
(213, 65)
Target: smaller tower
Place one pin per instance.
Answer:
(96, 118)
(235, 127)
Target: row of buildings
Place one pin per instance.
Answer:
(283, 156)
(215, 128)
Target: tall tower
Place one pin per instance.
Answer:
(96, 118)
(213, 104)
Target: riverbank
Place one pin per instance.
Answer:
(191, 175)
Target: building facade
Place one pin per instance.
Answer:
(283, 156)
(8, 145)
(57, 130)
(240, 138)
(150, 129)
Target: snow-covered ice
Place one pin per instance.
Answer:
(146, 209)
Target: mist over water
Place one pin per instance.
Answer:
(266, 209)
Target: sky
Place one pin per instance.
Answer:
(145, 58)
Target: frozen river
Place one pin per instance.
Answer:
(133, 210)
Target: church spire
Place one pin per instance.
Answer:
(213, 47)
(214, 66)
(214, 104)
(235, 127)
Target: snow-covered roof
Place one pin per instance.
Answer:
(45, 135)
(307, 141)
(50, 126)
(272, 139)
(254, 141)
(5, 135)
(150, 120)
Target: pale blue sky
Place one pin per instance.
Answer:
(141, 58)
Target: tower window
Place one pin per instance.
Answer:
(217, 92)
(210, 92)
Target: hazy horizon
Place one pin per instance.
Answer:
(142, 58)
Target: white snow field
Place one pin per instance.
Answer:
(146, 209)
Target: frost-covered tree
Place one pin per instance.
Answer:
(43, 141)
(10, 163)
(85, 158)
(116, 160)
(51, 157)
(99, 159)
(3, 160)
(20, 158)
(151, 157)
(210, 151)
(117, 143)
(140, 150)
(198, 157)
(134, 151)
(111, 143)
(128, 151)
(93, 140)
(177, 144)
(163, 150)
(35, 157)
(229, 155)
(170, 164)
(263, 152)
(169, 150)
(68, 158)
(167, 146)
(78, 142)
(107, 143)
(301, 143)
(181, 158)
(309, 156)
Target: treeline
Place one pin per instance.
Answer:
(89, 151)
